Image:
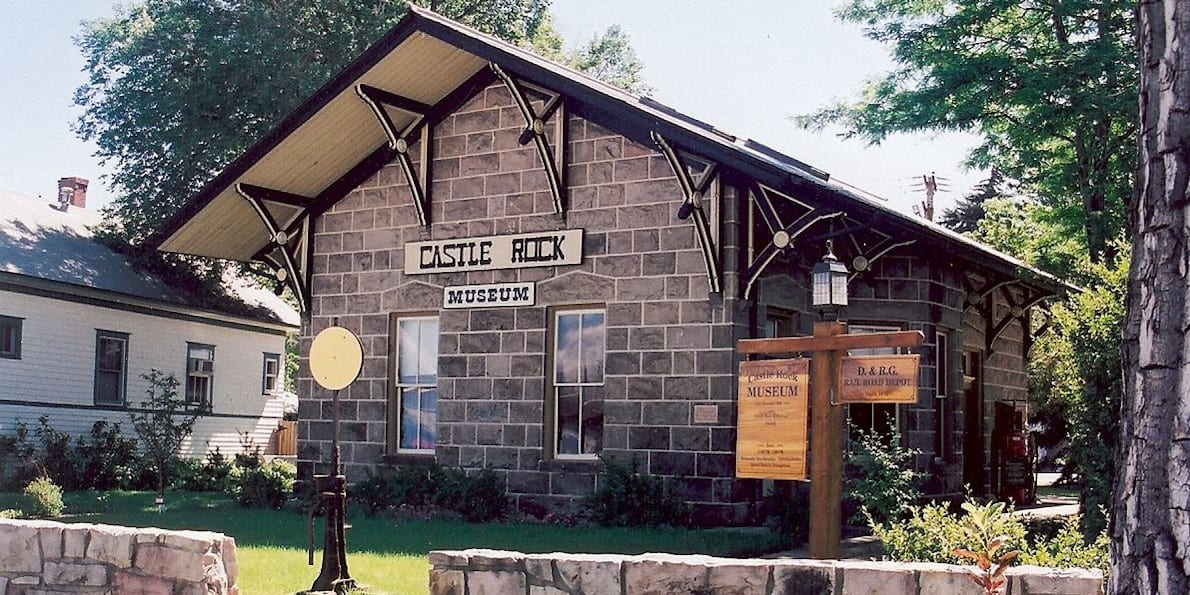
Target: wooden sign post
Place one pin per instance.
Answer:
(827, 347)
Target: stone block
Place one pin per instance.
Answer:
(167, 562)
(942, 579)
(74, 540)
(51, 543)
(495, 582)
(484, 559)
(26, 580)
(804, 577)
(446, 582)
(74, 573)
(539, 568)
(875, 578)
(112, 545)
(546, 590)
(1036, 580)
(19, 549)
(738, 577)
(228, 550)
(663, 574)
(589, 573)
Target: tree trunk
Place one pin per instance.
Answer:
(1150, 547)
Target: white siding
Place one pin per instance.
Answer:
(57, 365)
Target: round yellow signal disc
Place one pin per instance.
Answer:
(336, 357)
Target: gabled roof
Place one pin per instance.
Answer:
(332, 141)
(42, 247)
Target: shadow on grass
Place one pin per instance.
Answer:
(383, 535)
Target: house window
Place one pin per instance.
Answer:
(578, 353)
(880, 417)
(271, 370)
(10, 337)
(942, 382)
(200, 375)
(416, 394)
(779, 322)
(111, 367)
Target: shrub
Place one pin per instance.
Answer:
(267, 485)
(931, 534)
(43, 498)
(789, 515)
(1068, 549)
(477, 498)
(626, 498)
(879, 477)
(11, 513)
(56, 459)
(164, 424)
(107, 459)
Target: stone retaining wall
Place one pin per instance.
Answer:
(490, 572)
(49, 558)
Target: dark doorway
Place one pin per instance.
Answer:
(973, 447)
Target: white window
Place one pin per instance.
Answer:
(10, 337)
(577, 383)
(416, 391)
(111, 367)
(200, 375)
(880, 417)
(271, 370)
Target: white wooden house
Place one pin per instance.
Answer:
(79, 326)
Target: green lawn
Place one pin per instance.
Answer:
(388, 556)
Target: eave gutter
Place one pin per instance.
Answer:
(25, 284)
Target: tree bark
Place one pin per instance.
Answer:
(1150, 546)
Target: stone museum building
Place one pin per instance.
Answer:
(544, 270)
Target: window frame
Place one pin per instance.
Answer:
(550, 443)
(100, 336)
(941, 390)
(264, 373)
(207, 404)
(396, 388)
(863, 328)
(17, 326)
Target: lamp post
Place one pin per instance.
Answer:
(829, 297)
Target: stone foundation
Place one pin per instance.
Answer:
(50, 558)
(490, 572)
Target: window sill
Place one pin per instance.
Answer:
(569, 464)
(409, 458)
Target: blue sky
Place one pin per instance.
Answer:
(744, 66)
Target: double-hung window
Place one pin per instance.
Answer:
(577, 383)
(270, 372)
(10, 337)
(111, 367)
(878, 417)
(416, 393)
(200, 375)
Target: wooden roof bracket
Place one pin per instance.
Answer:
(398, 140)
(863, 262)
(783, 237)
(1017, 311)
(692, 207)
(290, 244)
(553, 159)
(1033, 334)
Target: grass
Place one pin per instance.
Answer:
(386, 555)
(1057, 492)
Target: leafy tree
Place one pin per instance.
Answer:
(1150, 534)
(164, 424)
(179, 88)
(1049, 84)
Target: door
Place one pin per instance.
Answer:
(973, 442)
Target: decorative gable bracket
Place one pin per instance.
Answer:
(693, 193)
(288, 250)
(554, 159)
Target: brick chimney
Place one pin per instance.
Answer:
(72, 192)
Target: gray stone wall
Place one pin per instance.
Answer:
(480, 572)
(50, 558)
(669, 343)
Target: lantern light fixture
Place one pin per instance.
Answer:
(829, 280)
